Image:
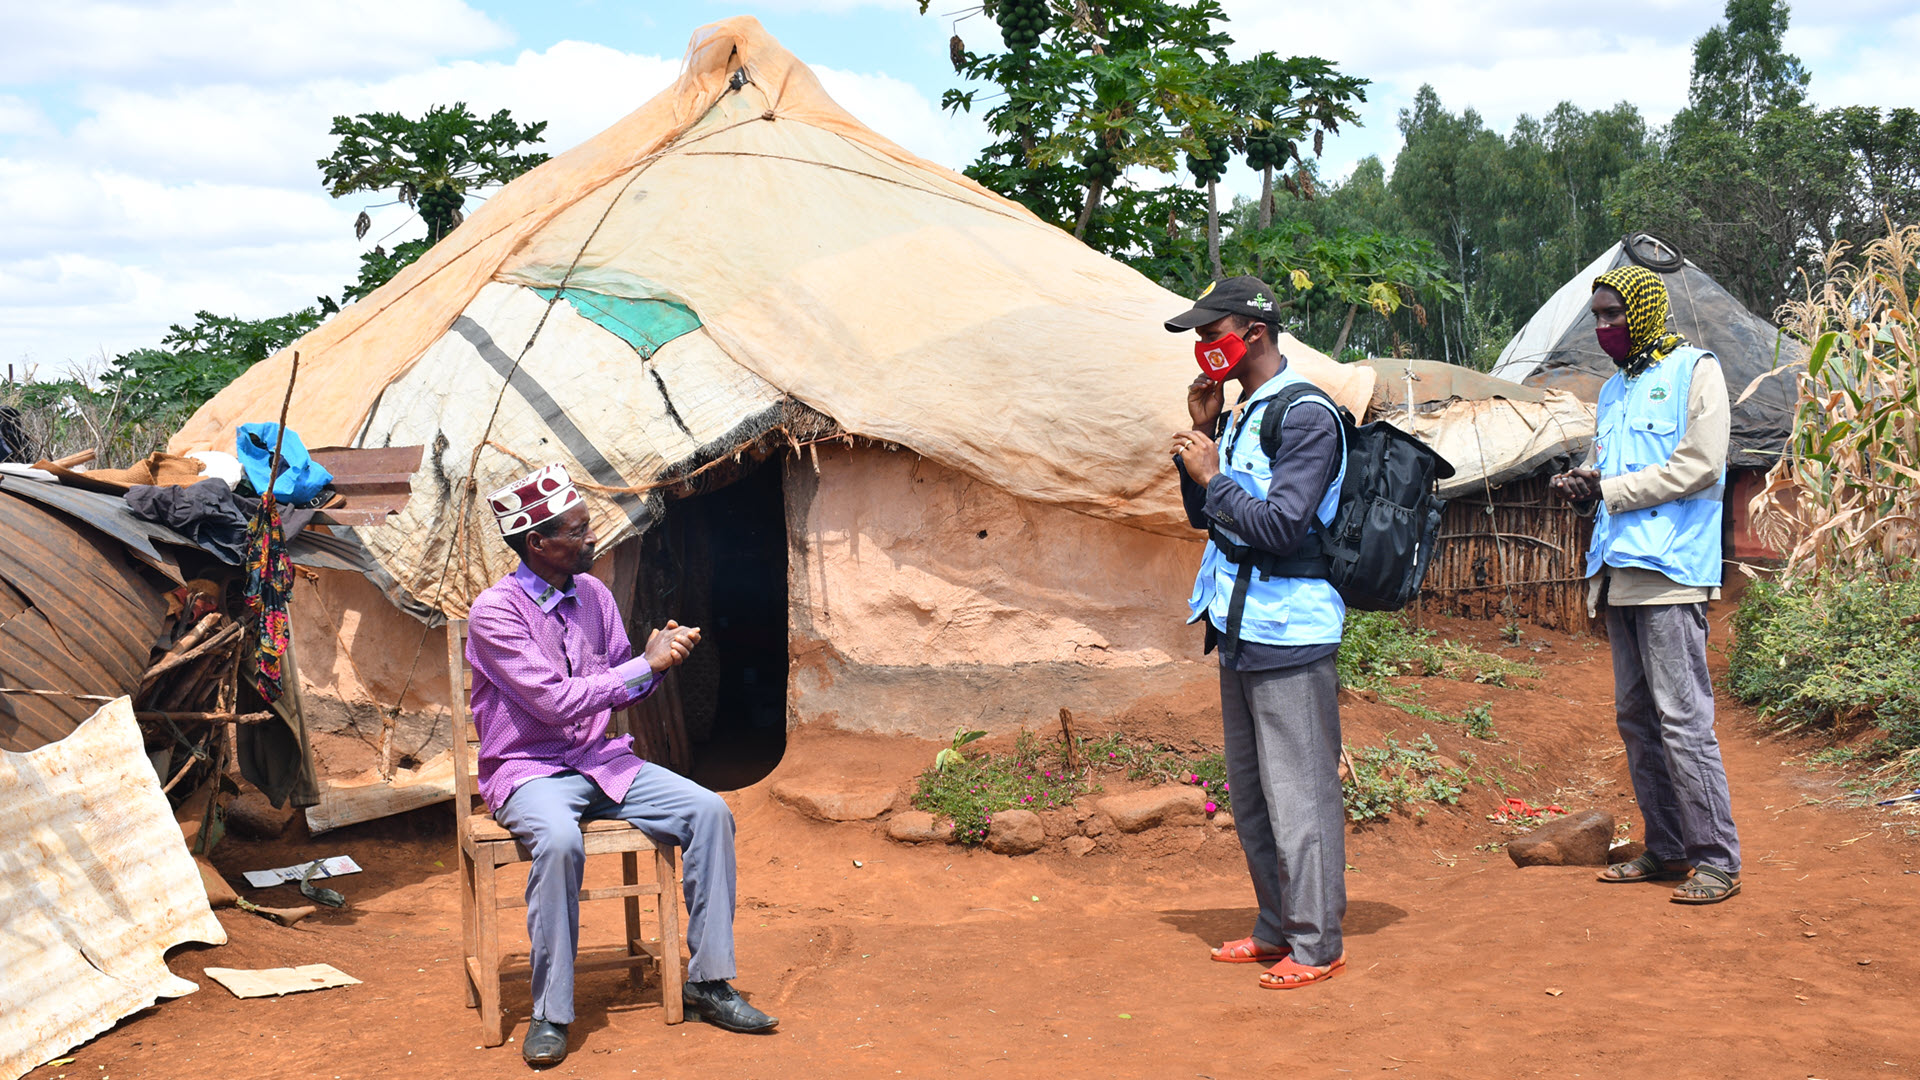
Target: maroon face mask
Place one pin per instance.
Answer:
(1615, 341)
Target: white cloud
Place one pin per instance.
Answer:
(902, 113)
(161, 202)
(264, 41)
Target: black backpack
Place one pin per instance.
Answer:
(1387, 523)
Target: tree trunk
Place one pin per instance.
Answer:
(1213, 230)
(1094, 191)
(1340, 343)
(1266, 197)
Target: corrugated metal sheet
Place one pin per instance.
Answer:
(375, 482)
(147, 540)
(76, 615)
(95, 888)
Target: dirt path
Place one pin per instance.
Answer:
(935, 962)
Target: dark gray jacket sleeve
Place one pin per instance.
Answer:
(1308, 461)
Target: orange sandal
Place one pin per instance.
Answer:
(1290, 974)
(1245, 951)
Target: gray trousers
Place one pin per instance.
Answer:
(545, 814)
(1283, 760)
(1663, 702)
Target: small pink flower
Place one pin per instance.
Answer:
(1211, 807)
(1224, 786)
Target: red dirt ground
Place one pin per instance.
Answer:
(938, 961)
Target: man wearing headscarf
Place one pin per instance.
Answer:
(1656, 478)
(551, 661)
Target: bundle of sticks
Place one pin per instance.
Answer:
(197, 679)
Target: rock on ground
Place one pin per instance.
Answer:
(1168, 804)
(834, 799)
(919, 827)
(1575, 840)
(250, 815)
(1077, 845)
(1016, 832)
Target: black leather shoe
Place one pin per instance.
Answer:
(720, 1005)
(545, 1044)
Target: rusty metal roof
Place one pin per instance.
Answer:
(375, 482)
(76, 614)
(147, 540)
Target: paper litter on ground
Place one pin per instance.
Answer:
(334, 867)
(273, 982)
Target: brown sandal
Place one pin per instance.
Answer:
(1707, 885)
(1644, 868)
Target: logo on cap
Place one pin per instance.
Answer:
(1205, 291)
(1261, 302)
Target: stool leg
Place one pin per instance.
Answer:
(487, 928)
(672, 974)
(630, 875)
(468, 931)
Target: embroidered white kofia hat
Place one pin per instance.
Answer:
(527, 502)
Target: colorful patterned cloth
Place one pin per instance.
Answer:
(1646, 298)
(269, 587)
(549, 668)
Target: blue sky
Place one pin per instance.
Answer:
(156, 156)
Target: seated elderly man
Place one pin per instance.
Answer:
(551, 661)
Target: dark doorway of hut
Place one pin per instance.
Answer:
(719, 561)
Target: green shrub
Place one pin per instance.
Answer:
(1836, 648)
(1381, 644)
(1388, 777)
(970, 790)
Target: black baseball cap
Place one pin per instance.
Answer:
(1244, 295)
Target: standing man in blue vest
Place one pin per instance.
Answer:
(1657, 476)
(1276, 623)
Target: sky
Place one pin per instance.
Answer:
(157, 157)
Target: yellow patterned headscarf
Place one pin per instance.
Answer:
(1646, 299)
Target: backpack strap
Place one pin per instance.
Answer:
(1304, 562)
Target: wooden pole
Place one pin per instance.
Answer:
(1066, 730)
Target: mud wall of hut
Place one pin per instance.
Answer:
(922, 600)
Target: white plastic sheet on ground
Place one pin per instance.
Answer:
(95, 886)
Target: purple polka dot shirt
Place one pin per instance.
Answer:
(549, 668)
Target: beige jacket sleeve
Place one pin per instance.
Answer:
(1697, 463)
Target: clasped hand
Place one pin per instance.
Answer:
(1580, 485)
(669, 647)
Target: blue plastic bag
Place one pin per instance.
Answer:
(301, 478)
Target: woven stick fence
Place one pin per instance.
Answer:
(1512, 553)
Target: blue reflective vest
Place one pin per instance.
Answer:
(1641, 421)
(1279, 610)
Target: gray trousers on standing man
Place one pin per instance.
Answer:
(545, 815)
(1283, 760)
(1663, 702)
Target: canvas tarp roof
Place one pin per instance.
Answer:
(796, 255)
(1489, 429)
(1557, 347)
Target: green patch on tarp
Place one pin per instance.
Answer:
(644, 324)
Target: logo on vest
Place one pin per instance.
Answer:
(1658, 393)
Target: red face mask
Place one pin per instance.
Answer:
(1615, 341)
(1220, 356)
